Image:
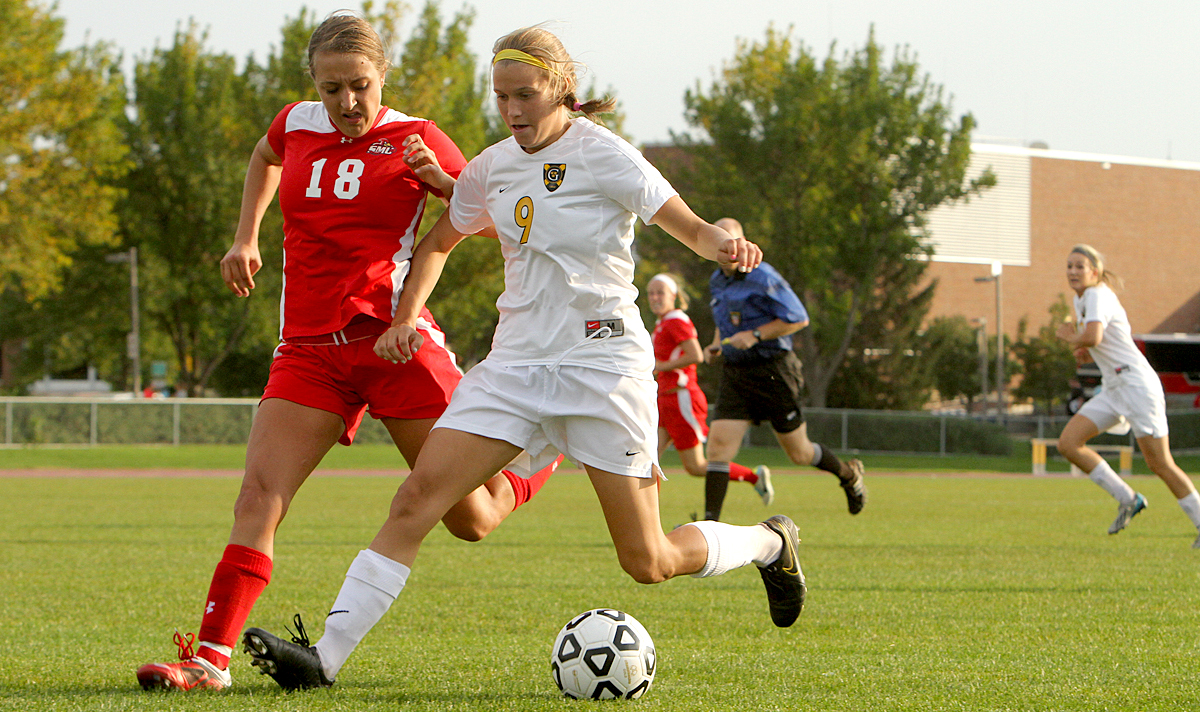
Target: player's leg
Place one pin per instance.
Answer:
(1157, 452)
(287, 440)
(701, 549)
(724, 440)
(451, 465)
(1097, 415)
(803, 451)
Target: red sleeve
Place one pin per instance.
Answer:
(680, 330)
(449, 157)
(277, 134)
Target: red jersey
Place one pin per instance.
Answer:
(351, 209)
(674, 328)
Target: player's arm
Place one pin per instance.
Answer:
(1088, 337)
(424, 162)
(713, 350)
(705, 239)
(401, 340)
(242, 261)
(691, 354)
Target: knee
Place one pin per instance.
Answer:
(1067, 446)
(468, 529)
(644, 567)
(258, 500)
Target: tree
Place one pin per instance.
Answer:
(60, 145)
(951, 352)
(831, 167)
(1045, 360)
(190, 143)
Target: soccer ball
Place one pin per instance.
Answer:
(603, 655)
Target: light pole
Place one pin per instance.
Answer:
(997, 269)
(981, 342)
(133, 343)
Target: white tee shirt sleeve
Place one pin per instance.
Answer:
(468, 207)
(628, 179)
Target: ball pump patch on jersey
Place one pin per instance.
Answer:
(552, 175)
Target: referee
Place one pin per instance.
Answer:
(756, 314)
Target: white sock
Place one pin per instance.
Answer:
(372, 583)
(1191, 507)
(1112, 483)
(731, 547)
(817, 453)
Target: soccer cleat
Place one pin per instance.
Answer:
(852, 483)
(763, 486)
(295, 665)
(192, 672)
(1125, 512)
(782, 577)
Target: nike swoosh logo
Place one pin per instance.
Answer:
(631, 454)
(334, 613)
(502, 189)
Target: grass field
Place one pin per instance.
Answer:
(947, 593)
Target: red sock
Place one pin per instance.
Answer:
(524, 489)
(741, 473)
(238, 581)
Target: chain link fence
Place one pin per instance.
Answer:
(32, 421)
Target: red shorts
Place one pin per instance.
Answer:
(346, 378)
(683, 414)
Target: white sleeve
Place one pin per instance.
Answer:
(627, 178)
(1097, 306)
(468, 206)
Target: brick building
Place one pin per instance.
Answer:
(1143, 215)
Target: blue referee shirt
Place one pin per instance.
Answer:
(744, 301)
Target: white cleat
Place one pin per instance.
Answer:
(763, 486)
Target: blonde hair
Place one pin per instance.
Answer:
(345, 32)
(544, 45)
(1093, 255)
(676, 285)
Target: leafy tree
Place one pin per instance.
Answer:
(60, 146)
(1045, 361)
(190, 144)
(831, 167)
(951, 352)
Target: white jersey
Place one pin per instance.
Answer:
(1118, 357)
(565, 218)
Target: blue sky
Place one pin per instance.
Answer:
(1107, 76)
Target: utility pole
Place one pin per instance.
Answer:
(133, 342)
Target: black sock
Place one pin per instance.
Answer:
(716, 484)
(829, 462)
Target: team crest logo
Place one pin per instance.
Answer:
(736, 318)
(382, 147)
(552, 175)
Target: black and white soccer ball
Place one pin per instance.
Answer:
(603, 654)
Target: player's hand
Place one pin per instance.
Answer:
(739, 254)
(239, 266)
(423, 161)
(398, 344)
(1082, 356)
(1065, 331)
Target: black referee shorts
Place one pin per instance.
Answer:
(762, 390)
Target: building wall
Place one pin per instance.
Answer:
(1145, 218)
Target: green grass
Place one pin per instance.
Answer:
(947, 593)
(384, 457)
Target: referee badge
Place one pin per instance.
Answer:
(736, 318)
(552, 175)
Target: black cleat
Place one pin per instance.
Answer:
(295, 665)
(783, 578)
(852, 483)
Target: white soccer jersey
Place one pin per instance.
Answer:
(565, 219)
(1118, 357)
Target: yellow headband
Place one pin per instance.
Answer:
(518, 56)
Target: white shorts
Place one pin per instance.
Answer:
(1144, 407)
(596, 418)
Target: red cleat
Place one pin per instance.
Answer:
(190, 673)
